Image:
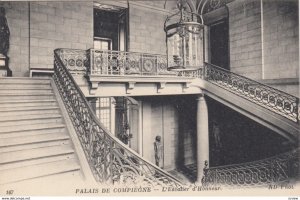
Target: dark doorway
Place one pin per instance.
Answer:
(110, 28)
(219, 47)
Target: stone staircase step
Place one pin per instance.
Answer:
(12, 109)
(24, 101)
(6, 104)
(66, 177)
(24, 80)
(14, 86)
(56, 180)
(9, 129)
(13, 97)
(29, 154)
(29, 111)
(41, 170)
(58, 129)
(34, 146)
(25, 91)
(36, 161)
(32, 139)
(15, 118)
(57, 120)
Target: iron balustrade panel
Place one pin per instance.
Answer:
(277, 169)
(110, 160)
(106, 62)
(270, 98)
(275, 100)
(102, 62)
(76, 61)
(191, 73)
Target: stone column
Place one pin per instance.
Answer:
(202, 136)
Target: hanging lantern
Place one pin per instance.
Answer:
(184, 38)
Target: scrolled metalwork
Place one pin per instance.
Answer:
(275, 100)
(106, 62)
(110, 160)
(277, 169)
(139, 64)
(191, 73)
(75, 60)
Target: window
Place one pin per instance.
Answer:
(103, 111)
(102, 43)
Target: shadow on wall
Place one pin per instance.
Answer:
(234, 138)
(187, 143)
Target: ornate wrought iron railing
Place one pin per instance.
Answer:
(76, 61)
(110, 160)
(131, 63)
(278, 169)
(128, 63)
(275, 100)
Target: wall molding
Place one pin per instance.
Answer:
(138, 5)
(150, 8)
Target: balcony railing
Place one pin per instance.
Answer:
(110, 160)
(118, 63)
(128, 63)
(278, 169)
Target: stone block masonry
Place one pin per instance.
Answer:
(264, 40)
(146, 30)
(281, 39)
(245, 38)
(37, 28)
(58, 25)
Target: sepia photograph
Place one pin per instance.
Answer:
(149, 98)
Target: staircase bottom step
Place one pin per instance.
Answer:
(38, 171)
(36, 162)
(59, 184)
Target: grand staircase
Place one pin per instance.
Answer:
(43, 122)
(34, 140)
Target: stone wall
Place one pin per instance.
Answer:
(70, 25)
(281, 39)
(146, 30)
(264, 42)
(52, 25)
(58, 25)
(245, 38)
(18, 22)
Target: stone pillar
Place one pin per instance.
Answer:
(202, 136)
